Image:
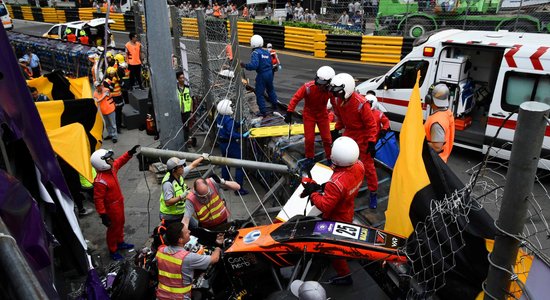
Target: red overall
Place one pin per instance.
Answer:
(355, 116)
(315, 112)
(109, 200)
(337, 201)
(382, 122)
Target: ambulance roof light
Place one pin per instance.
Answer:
(428, 51)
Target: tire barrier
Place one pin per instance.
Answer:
(50, 15)
(27, 13)
(86, 13)
(343, 46)
(72, 15)
(300, 38)
(129, 23)
(54, 54)
(320, 45)
(381, 49)
(407, 46)
(377, 49)
(16, 12)
(271, 34)
(189, 27)
(37, 14)
(246, 31)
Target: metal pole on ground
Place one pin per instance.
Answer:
(163, 81)
(520, 178)
(215, 160)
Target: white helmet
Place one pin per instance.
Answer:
(224, 107)
(99, 158)
(324, 75)
(345, 152)
(123, 65)
(342, 84)
(440, 95)
(372, 100)
(256, 41)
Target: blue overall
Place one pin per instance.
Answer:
(260, 61)
(229, 140)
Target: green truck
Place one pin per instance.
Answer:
(412, 18)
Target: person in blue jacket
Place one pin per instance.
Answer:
(260, 61)
(229, 140)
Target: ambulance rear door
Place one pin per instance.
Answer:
(524, 76)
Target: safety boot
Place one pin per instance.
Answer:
(373, 201)
(124, 246)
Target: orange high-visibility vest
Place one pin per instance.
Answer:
(115, 82)
(106, 103)
(447, 121)
(84, 40)
(170, 278)
(212, 213)
(134, 52)
(71, 37)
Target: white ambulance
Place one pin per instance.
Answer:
(489, 73)
(5, 17)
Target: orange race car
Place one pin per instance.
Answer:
(253, 256)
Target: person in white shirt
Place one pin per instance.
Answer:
(268, 11)
(298, 12)
(344, 19)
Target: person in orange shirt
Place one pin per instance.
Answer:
(107, 107)
(113, 82)
(83, 38)
(217, 13)
(133, 55)
(440, 125)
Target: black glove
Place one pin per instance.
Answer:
(133, 150)
(217, 179)
(288, 117)
(310, 188)
(335, 134)
(242, 65)
(371, 149)
(382, 133)
(105, 220)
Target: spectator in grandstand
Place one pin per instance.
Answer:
(289, 11)
(252, 12)
(268, 11)
(344, 19)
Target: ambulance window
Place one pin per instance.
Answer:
(54, 31)
(3, 10)
(521, 87)
(543, 90)
(405, 76)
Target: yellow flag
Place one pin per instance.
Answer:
(409, 174)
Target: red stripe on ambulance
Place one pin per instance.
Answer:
(535, 58)
(509, 56)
